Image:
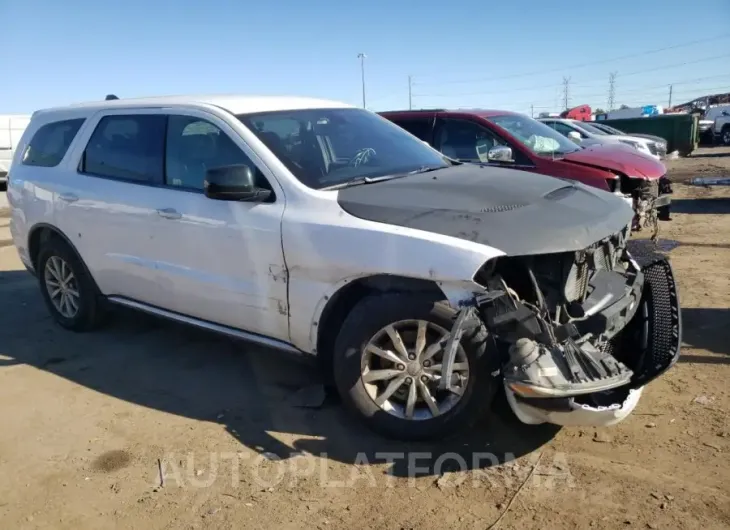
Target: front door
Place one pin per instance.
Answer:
(220, 261)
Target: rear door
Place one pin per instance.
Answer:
(420, 125)
(107, 204)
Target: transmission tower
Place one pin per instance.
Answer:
(611, 89)
(566, 92)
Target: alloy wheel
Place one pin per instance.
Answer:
(62, 287)
(401, 369)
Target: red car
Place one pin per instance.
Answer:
(509, 139)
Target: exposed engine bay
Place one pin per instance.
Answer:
(579, 328)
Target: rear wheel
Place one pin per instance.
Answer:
(388, 365)
(67, 287)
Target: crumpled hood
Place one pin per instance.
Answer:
(517, 212)
(618, 158)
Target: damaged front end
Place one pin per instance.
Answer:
(651, 202)
(580, 333)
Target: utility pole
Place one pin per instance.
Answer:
(611, 89)
(410, 92)
(670, 96)
(566, 92)
(362, 58)
(532, 111)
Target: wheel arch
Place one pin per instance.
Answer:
(42, 232)
(340, 303)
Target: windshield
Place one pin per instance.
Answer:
(537, 136)
(590, 128)
(607, 128)
(328, 147)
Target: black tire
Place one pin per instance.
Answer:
(91, 311)
(371, 315)
(725, 135)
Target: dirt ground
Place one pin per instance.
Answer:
(88, 422)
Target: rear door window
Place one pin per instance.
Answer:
(50, 143)
(127, 147)
(421, 128)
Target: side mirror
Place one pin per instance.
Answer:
(500, 153)
(233, 183)
(575, 136)
(725, 113)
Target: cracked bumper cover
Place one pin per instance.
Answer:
(659, 319)
(656, 326)
(568, 412)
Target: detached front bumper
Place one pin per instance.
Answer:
(568, 412)
(655, 333)
(563, 376)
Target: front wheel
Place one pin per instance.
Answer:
(387, 367)
(725, 135)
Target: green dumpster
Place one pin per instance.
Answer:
(679, 130)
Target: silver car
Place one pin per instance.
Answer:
(587, 134)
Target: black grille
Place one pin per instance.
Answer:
(665, 185)
(662, 321)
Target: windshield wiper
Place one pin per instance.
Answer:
(425, 169)
(357, 182)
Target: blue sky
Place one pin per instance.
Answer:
(462, 53)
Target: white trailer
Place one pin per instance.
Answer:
(12, 127)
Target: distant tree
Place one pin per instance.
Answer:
(622, 107)
(599, 111)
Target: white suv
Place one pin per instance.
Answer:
(424, 285)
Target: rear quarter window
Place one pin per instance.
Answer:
(50, 143)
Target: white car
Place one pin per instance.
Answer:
(423, 285)
(718, 117)
(586, 134)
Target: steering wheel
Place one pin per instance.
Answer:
(363, 156)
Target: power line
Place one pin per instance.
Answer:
(586, 84)
(675, 65)
(583, 65)
(544, 103)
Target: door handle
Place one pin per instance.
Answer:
(68, 197)
(169, 213)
